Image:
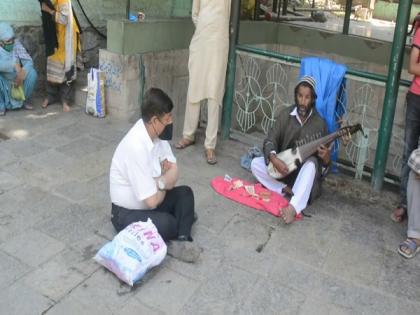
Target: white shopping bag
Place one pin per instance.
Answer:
(95, 101)
(135, 250)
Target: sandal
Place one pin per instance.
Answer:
(399, 214)
(211, 156)
(27, 106)
(183, 143)
(408, 248)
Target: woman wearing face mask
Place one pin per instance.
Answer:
(62, 43)
(17, 74)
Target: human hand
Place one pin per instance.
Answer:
(20, 76)
(46, 8)
(346, 137)
(279, 165)
(165, 165)
(195, 20)
(324, 154)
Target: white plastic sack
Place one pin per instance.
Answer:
(95, 101)
(133, 251)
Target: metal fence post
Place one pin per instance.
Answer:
(347, 14)
(391, 93)
(231, 68)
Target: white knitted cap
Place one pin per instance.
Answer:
(308, 79)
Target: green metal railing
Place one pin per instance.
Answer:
(391, 93)
(293, 59)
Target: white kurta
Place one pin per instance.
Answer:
(209, 50)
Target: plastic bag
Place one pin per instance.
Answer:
(133, 251)
(95, 101)
(17, 93)
(247, 158)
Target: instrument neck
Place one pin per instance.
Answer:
(310, 148)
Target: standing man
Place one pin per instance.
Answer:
(143, 176)
(296, 125)
(207, 70)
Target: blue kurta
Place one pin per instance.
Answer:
(8, 60)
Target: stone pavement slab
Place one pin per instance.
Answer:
(210, 259)
(32, 247)
(134, 306)
(224, 292)
(169, 291)
(272, 298)
(20, 299)
(58, 276)
(11, 269)
(55, 215)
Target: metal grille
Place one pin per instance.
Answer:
(265, 85)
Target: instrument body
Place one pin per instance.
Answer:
(293, 158)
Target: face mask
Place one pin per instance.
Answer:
(166, 133)
(8, 47)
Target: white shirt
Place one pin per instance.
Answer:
(134, 167)
(295, 113)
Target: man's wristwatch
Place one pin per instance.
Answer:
(161, 183)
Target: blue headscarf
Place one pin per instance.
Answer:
(6, 31)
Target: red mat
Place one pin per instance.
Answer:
(260, 197)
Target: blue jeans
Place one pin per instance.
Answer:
(411, 141)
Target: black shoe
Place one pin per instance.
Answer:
(184, 238)
(185, 251)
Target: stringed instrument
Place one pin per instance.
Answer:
(294, 157)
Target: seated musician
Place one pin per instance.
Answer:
(296, 125)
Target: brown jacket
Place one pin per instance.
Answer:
(288, 133)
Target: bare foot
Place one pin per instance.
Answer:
(399, 214)
(45, 103)
(288, 214)
(66, 107)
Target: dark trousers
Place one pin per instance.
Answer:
(59, 92)
(174, 217)
(411, 140)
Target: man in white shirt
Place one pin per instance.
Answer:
(143, 175)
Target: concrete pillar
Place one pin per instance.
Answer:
(122, 84)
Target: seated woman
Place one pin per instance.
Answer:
(17, 74)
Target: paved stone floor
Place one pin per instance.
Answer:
(55, 211)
